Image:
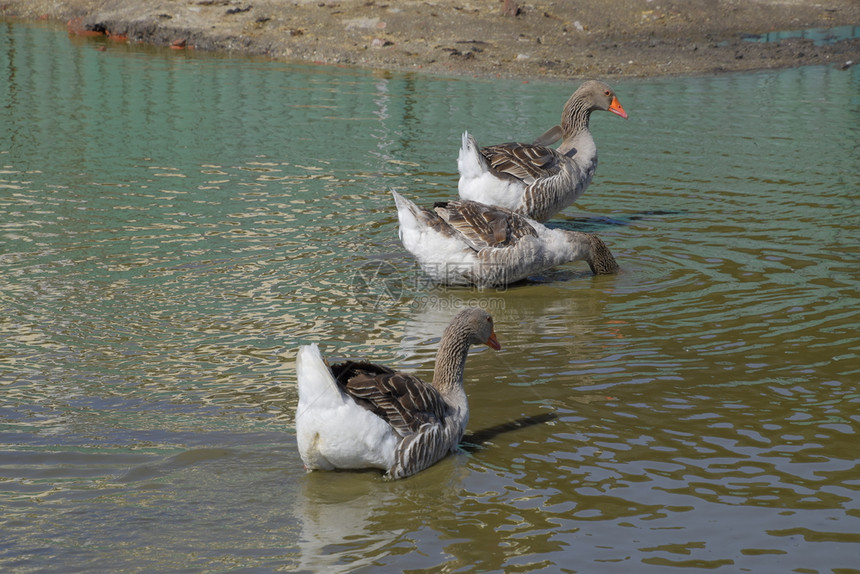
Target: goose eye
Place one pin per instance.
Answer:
(607, 93)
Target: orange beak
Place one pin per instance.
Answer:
(615, 108)
(492, 342)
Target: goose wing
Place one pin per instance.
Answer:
(523, 161)
(550, 136)
(484, 226)
(404, 401)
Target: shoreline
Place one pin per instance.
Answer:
(484, 38)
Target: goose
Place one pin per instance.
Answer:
(533, 179)
(470, 243)
(356, 414)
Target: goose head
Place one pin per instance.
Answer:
(591, 96)
(478, 324)
(599, 96)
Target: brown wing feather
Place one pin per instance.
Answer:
(483, 226)
(404, 401)
(523, 161)
(431, 219)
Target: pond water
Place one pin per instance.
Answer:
(819, 36)
(174, 225)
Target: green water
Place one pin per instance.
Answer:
(173, 225)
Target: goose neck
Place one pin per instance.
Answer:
(575, 118)
(451, 360)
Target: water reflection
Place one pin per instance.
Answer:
(336, 512)
(176, 225)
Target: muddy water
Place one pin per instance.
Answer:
(172, 226)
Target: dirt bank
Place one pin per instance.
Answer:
(552, 38)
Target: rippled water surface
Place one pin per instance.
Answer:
(173, 226)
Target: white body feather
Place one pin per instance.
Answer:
(444, 258)
(478, 183)
(332, 430)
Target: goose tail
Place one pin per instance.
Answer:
(414, 221)
(317, 386)
(470, 163)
